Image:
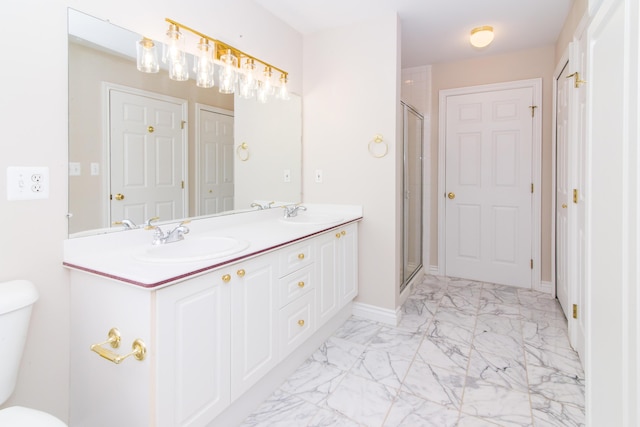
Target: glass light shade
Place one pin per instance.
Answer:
(247, 80)
(261, 93)
(227, 73)
(147, 56)
(283, 92)
(174, 55)
(268, 86)
(481, 36)
(203, 66)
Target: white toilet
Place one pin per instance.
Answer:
(16, 299)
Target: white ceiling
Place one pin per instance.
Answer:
(436, 31)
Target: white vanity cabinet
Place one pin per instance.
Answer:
(210, 338)
(337, 270)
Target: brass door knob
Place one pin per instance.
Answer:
(150, 129)
(564, 206)
(451, 196)
(119, 196)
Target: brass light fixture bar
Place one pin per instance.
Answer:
(221, 48)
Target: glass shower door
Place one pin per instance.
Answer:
(413, 191)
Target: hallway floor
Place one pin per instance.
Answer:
(465, 354)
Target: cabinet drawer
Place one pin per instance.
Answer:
(297, 323)
(295, 257)
(296, 284)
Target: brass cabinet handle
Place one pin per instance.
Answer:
(301, 284)
(300, 256)
(241, 273)
(119, 196)
(226, 278)
(451, 196)
(301, 322)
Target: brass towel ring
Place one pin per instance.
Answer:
(378, 147)
(243, 152)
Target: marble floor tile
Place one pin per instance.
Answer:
(364, 401)
(464, 354)
(411, 411)
(383, 367)
(435, 384)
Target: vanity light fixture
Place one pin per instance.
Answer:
(236, 69)
(481, 36)
(147, 56)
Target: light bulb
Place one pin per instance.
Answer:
(227, 73)
(174, 55)
(283, 92)
(203, 66)
(247, 79)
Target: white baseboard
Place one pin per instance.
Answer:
(377, 314)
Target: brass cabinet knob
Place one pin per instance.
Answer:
(301, 284)
(226, 278)
(301, 322)
(338, 235)
(451, 196)
(343, 232)
(300, 256)
(240, 273)
(119, 196)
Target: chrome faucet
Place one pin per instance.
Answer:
(257, 205)
(127, 223)
(292, 210)
(175, 235)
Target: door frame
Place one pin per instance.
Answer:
(106, 143)
(199, 107)
(536, 169)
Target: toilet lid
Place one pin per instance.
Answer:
(18, 416)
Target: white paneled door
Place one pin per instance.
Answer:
(215, 185)
(489, 185)
(147, 156)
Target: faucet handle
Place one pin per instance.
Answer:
(148, 222)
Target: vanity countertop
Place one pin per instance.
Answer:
(121, 255)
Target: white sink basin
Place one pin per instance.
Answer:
(193, 249)
(304, 218)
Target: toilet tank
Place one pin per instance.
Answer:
(16, 299)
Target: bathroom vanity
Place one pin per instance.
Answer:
(217, 331)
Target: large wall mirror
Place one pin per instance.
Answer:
(142, 145)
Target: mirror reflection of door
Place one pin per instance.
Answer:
(215, 185)
(147, 148)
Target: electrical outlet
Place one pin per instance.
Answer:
(95, 169)
(318, 175)
(25, 183)
(75, 169)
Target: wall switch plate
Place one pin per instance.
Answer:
(95, 169)
(287, 175)
(26, 183)
(75, 169)
(318, 175)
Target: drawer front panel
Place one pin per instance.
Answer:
(296, 284)
(295, 257)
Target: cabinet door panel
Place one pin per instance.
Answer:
(327, 264)
(193, 352)
(253, 336)
(349, 270)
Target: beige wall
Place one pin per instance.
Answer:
(578, 11)
(527, 64)
(34, 120)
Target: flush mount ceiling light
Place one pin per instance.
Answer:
(481, 36)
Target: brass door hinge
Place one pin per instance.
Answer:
(532, 264)
(576, 79)
(182, 123)
(575, 195)
(575, 311)
(533, 110)
(182, 185)
(532, 187)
